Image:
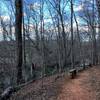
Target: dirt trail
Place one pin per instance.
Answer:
(85, 87)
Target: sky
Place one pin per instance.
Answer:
(5, 11)
(5, 5)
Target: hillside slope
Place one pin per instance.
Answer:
(86, 86)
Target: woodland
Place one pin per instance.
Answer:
(49, 50)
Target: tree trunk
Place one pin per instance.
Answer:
(79, 40)
(72, 41)
(18, 31)
(98, 7)
(95, 58)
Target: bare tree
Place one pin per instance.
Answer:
(57, 7)
(89, 17)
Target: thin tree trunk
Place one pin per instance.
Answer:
(95, 58)
(79, 40)
(72, 41)
(59, 48)
(98, 7)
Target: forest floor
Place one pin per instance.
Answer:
(86, 86)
